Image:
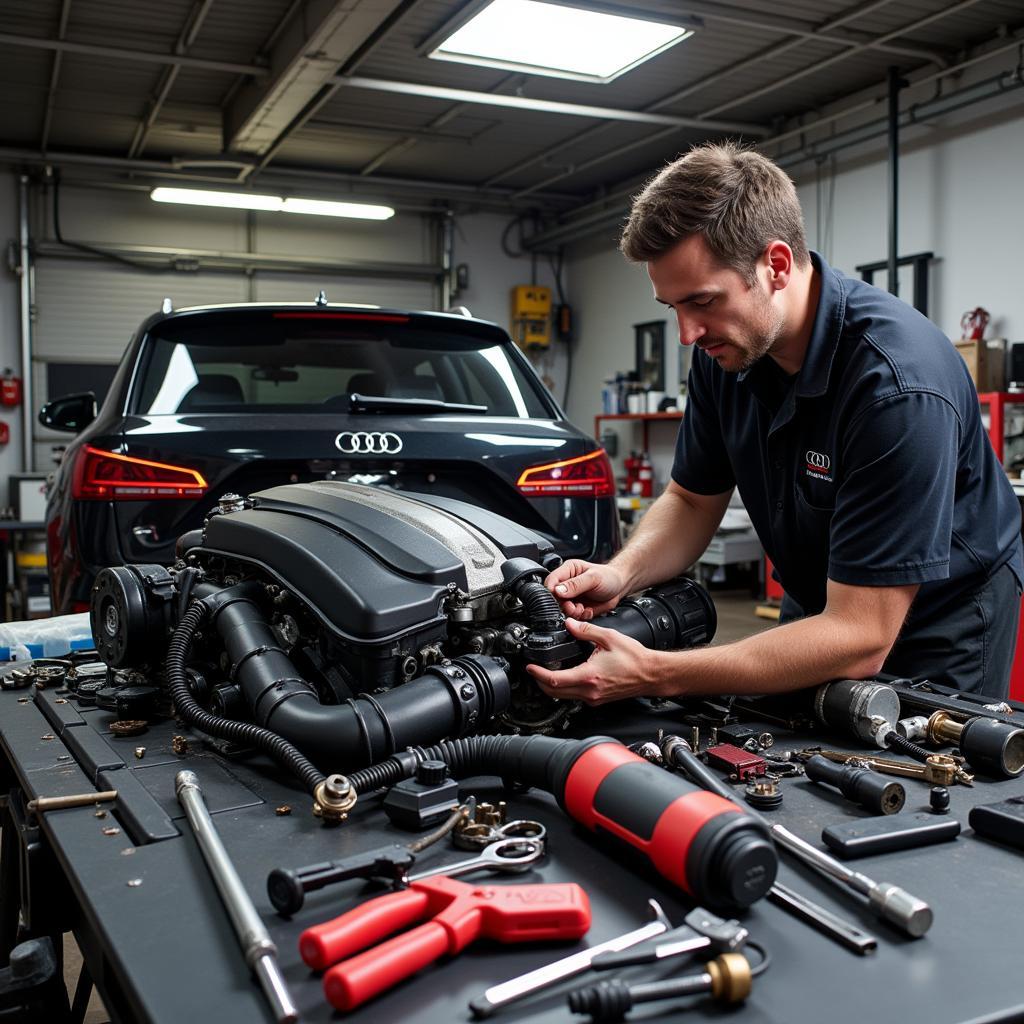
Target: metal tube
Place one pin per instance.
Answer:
(258, 948)
(447, 249)
(894, 178)
(490, 99)
(27, 301)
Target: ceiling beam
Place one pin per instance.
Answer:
(51, 92)
(187, 36)
(134, 56)
(317, 41)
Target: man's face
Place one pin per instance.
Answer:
(733, 322)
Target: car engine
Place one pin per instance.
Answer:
(351, 622)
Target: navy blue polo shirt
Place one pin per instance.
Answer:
(871, 466)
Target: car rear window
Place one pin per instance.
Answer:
(300, 361)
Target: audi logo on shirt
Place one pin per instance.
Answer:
(815, 460)
(363, 442)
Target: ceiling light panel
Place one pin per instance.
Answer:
(564, 42)
(270, 204)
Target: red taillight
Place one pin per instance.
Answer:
(589, 476)
(107, 476)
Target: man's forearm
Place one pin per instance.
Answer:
(789, 657)
(669, 538)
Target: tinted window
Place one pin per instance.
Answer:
(280, 361)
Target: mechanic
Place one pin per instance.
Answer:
(852, 429)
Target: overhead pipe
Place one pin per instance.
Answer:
(27, 302)
(895, 84)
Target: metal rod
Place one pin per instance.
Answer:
(57, 803)
(894, 178)
(447, 250)
(490, 99)
(27, 300)
(257, 946)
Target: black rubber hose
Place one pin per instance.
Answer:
(541, 606)
(242, 732)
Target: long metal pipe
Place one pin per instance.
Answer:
(490, 99)
(447, 253)
(895, 83)
(220, 258)
(27, 301)
(139, 56)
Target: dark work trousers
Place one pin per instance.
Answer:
(967, 643)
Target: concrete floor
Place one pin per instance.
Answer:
(736, 619)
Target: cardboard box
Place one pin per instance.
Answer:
(986, 362)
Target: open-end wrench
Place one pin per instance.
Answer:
(510, 856)
(509, 991)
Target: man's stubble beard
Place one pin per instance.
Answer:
(765, 334)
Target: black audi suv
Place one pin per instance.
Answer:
(233, 399)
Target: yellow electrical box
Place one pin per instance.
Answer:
(531, 316)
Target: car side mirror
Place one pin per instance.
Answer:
(71, 412)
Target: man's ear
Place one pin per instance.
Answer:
(778, 258)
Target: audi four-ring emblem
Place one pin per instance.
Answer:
(818, 461)
(362, 442)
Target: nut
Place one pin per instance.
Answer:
(140, 753)
(179, 744)
(283, 811)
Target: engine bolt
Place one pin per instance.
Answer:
(466, 691)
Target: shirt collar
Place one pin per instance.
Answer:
(812, 380)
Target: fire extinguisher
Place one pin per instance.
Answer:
(10, 388)
(645, 476)
(632, 465)
(5, 433)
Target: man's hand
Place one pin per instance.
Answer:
(586, 589)
(618, 667)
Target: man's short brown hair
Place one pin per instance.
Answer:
(736, 198)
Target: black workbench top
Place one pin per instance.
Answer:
(161, 949)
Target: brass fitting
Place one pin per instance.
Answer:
(943, 728)
(730, 977)
(333, 799)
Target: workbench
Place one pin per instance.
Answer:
(133, 888)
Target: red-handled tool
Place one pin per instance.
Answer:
(460, 913)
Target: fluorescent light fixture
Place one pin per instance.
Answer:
(565, 42)
(272, 204)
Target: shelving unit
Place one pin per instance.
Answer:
(645, 418)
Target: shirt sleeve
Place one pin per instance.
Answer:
(893, 521)
(701, 461)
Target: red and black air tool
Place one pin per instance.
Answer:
(712, 849)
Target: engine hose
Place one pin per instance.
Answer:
(242, 732)
(715, 851)
(541, 606)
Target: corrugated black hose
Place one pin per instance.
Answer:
(286, 755)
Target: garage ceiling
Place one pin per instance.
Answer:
(337, 97)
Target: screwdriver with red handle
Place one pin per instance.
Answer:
(459, 914)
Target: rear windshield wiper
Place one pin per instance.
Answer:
(378, 403)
